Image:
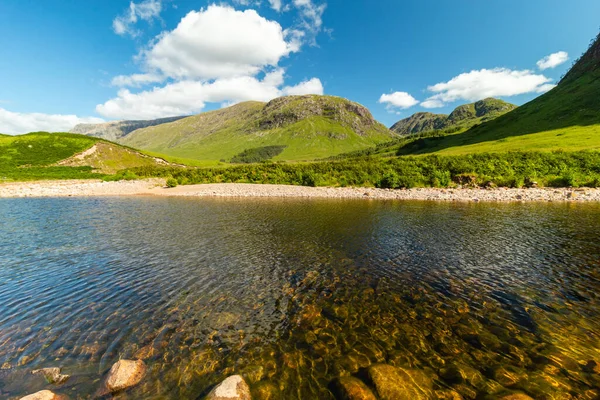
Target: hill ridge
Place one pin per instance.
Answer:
(308, 126)
(461, 118)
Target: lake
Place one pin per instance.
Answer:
(484, 299)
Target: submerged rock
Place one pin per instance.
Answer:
(52, 375)
(394, 383)
(44, 395)
(232, 388)
(125, 374)
(516, 396)
(350, 388)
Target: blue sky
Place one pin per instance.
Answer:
(65, 62)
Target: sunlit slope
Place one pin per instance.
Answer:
(566, 118)
(43, 155)
(310, 127)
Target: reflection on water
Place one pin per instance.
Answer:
(484, 299)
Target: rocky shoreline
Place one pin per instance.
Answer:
(155, 187)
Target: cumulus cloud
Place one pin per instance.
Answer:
(136, 79)
(17, 123)
(311, 86)
(553, 60)
(432, 103)
(218, 42)
(214, 55)
(479, 84)
(401, 100)
(146, 10)
(189, 97)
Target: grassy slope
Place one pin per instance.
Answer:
(566, 118)
(37, 156)
(224, 133)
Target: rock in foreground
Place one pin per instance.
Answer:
(125, 374)
(43, 395)
(232, 388)
(399, 383)
(52, 375)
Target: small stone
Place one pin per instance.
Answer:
(43, 395)
(52, 375)
(447, 395)
(350, 388)
(125, 374)
(232, 388)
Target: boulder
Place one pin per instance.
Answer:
(125, 374)
(232, 388)
(394, 383)
(350, 388)
(52, 375)
(43, 395)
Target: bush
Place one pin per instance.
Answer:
(172, 182)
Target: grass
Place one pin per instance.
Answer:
(35, 156)
(566, 118)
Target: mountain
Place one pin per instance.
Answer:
(565, 118)
(43, 155)
(116, 130)
(462, 118)
(303, 127)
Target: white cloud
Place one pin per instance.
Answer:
(145, 10)
(136, 79)
(432, 103)
(189, 97)
(276, 5)
(311, 86)
(214, 55)
(395, 100)
(553, 60)
(218, 42)
(311, 17)
(479, 84)
(18, 123)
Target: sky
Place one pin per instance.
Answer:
(64, 62)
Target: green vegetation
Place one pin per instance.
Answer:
(310, 127)
(31, 156)
(566, 118)
(172, 182)
(461, 119)
(257, 155)
(42, 156)
(507, 170)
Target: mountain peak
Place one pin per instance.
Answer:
(463, 117)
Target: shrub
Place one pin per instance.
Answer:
(390, 180)
(171, 182)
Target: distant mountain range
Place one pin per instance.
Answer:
(116, 130)
(462, 118)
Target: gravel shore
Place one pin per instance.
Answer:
(155, 187)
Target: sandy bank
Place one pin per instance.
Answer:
(154, 187)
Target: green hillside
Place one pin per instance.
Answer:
(309, 127)
(461, 119)
(566, 118)
(42, 155)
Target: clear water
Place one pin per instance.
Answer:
(292, 294)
